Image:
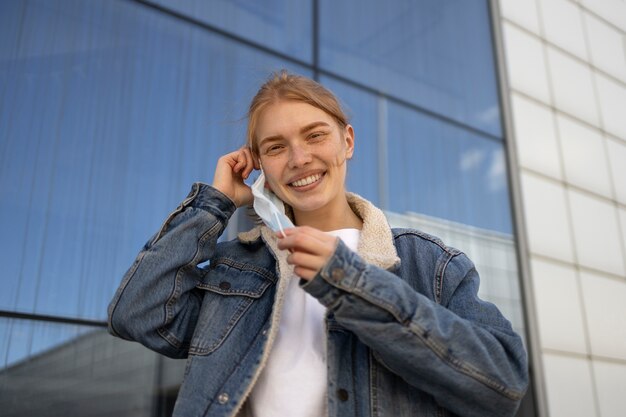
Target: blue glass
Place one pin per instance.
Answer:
(283, 25)
(408, 161)
(49, 369)
(431, 53)
(441, 170)
(108, 112)
(362, 109)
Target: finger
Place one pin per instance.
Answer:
(306, 260)
(241, 162)
(307, 232)
(303, 241)
(304, 273)
(311, 231)
(304, 233)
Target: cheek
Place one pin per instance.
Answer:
(269, 182)
(339, 159)
(272, 180)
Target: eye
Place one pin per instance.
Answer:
(317, 135)
(273, 149)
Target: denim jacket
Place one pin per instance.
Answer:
(407, 334)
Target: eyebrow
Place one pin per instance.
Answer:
(304, 129)
(312, 126)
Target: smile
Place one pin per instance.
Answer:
(307, 180)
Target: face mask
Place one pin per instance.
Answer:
(269, 207)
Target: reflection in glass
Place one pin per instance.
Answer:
(434, 54)
(103, 128)
(443, 171)
(428, 166)
(51, 369)
(283, 25)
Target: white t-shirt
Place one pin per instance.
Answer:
(294, 380)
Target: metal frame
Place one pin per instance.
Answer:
(51, 319)
(519, 226)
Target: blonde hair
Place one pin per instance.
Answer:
(282, 85)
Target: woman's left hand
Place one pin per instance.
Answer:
(310, 249)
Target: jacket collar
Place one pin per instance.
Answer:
(375, 243)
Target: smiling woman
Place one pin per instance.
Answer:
(340, 315)
(303, 153)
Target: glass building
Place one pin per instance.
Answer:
(109, 110)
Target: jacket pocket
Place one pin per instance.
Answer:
(230, 289)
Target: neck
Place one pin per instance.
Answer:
(331, 217)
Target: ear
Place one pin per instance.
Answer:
(349, 141)
(255, 160)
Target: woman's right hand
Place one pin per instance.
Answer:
(230, 172)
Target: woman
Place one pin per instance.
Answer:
(337, 316)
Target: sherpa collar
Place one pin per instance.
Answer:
(375, 242)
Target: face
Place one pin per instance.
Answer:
(303, 152)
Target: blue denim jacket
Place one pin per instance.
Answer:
(407, 333)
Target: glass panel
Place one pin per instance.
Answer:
(108, 112)
(435, 54)
(362, 108)
(283, 25)
(440, 170)
(49, 369)
(428, 166)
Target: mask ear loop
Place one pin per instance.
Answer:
(280, 226)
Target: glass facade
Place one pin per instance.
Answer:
(434, 54)
(109, 110)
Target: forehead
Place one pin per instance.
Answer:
(284, 116)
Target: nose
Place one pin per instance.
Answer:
(299, 156)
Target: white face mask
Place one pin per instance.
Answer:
(269, 207)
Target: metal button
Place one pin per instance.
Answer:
(337, 274)
(264, 332)
(225, 285)
(223, 398)
(342, 394)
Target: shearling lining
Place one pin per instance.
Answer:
(376, 240)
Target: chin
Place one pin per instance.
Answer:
(299, 205)
(308, 205)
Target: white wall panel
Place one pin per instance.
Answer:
(535, 134)
(557, 298)
(572, 86)
(606, 46)
(562, 23)
(524, 13)
(612, 96)
(617, 159)
(546, 217)
(622, 221)
(614, 11)
(568, 385)
(605, 308)
(610, 379)
(526, 64)
(584, 156)
(596, 233)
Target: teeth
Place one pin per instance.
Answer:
(306, 181)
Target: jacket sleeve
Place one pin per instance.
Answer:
(466, 355)
(156, 303)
